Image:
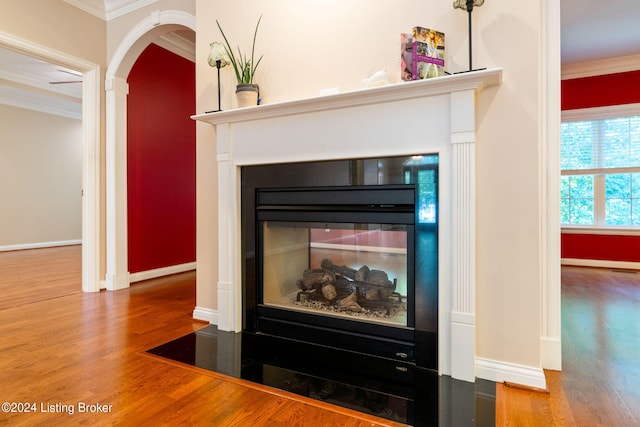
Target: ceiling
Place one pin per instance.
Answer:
(591, 30)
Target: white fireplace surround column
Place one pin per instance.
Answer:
(420, 117)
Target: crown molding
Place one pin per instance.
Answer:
(602, 66)
(178, 45)
(95, 8)
(601, 113)
(45, 87)
(41, 105)
(106, 9)
(130, 6)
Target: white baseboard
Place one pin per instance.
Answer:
(624, 265)
(159, 272)
(207, 314)
(40, 245)
(498, 371)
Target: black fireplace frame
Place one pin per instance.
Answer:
(413, 346)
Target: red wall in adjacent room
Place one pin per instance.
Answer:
(589, 92)
(600, 91)
(601, 247)
(161, 161)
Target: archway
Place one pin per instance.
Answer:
(149, 29)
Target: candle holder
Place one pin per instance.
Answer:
(218, 58)
(468, 5)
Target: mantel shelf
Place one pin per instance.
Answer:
(474, 80)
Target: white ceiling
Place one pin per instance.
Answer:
(31, 83)
(592, 30)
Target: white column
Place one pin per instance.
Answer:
(550, 340)
(117, 274)
(91, 181)
(229, 287)
(463, 323)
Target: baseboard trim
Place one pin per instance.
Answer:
(624, 265)
(206, 314)
(498, 371)
(160, 272)
(40, 245)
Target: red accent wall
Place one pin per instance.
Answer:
(589, 92)
(161, 161)
(600, 91)
(601, 247)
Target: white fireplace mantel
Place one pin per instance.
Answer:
(421, 117)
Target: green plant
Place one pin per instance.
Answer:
(244, 67)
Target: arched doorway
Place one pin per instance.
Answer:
(149, 29)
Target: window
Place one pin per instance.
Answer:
(600, 162)
(423, 171)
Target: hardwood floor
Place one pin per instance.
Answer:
(63, 350)
(28, 276)
(600, 381)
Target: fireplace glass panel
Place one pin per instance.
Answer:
(347, 270)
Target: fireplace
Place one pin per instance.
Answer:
(350, 129)
(351, 266)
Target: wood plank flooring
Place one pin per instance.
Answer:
(30, 276)
(68, 352)
(600, 381)
(61, 350)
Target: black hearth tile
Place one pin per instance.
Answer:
(416, 397)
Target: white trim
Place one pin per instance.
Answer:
(111, 14)
(39, 245)
(549, 184)
(601, 113)
(39, 104)
(86, 7)
(178, 45)
(600, 67)
(613, 231)
(206, 314)
(117, 274)
(107, 15)
(160, 272)
(623, 265)
(475, 81)
(91, 150)
(551, 353)
(495, 370)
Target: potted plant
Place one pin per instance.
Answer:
(245, 69)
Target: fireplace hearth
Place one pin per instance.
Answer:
(351, 265)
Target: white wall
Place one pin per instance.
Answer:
(310, 45)
(40, 178)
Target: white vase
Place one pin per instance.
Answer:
(247, 95)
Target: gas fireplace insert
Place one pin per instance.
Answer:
(350, 267)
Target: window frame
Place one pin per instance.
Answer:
(599, 174)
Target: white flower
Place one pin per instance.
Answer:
(218, 53)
